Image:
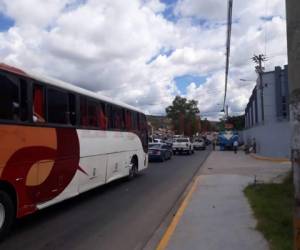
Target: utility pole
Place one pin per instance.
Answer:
(293, 38)
(228, 39)
(258, 59)
(226, 112)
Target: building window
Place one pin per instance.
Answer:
(284, 107)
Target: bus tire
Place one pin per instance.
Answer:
(7, 214)
(134, 168)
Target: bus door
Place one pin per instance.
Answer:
(92, 145)
(93, 160)
(117, 163)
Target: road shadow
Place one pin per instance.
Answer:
(32, 221)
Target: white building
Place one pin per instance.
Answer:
(267, 117)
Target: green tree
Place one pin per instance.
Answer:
(221, 125)
(183, 114)
(206, 125)
(237, 121)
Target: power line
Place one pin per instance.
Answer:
(266, 28)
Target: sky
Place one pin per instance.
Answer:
(145, 52)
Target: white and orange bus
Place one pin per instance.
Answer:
(58, 140)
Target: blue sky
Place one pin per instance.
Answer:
(5, 22)
(162, 52)
(183, 81)
(169, 11)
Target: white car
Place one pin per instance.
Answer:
(182, 145)
(199, 143)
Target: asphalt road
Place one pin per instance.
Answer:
(119, 216)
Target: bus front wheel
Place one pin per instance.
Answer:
(7, 214)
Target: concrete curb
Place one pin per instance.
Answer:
(271, 159)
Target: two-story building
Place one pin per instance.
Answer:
(267, 115)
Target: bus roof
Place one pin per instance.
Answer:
(65, 85)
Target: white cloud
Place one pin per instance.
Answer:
(155, 5)
(202, 9)
(106, 46)
(33, 12)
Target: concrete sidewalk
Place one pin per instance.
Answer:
(218, 215)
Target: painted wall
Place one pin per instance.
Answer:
(272, 139)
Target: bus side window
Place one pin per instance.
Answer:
(9, 98)
(134, 120)
(92, 114)
(109, 116)
(116, 118)
(38, 109)
(119, 119)
(143, 130)
(72, 109)
(102, 116)
(24, 100)
(144, 122)
(83, 112)
(128, 120)
(58, 102)
(138, 121)
(123, 119)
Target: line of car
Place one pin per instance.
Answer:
(164, 150)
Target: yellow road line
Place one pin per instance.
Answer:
(170, 230)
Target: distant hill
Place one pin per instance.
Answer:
(159, 121)
(165, 122)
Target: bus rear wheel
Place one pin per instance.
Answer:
(134, 169)
(7, 214)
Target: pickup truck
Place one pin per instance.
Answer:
(181, 145)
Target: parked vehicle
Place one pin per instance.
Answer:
(159, 151)
(207, 142)
(169, 142)
(199, 143)
(177, 136)
(183, 145)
